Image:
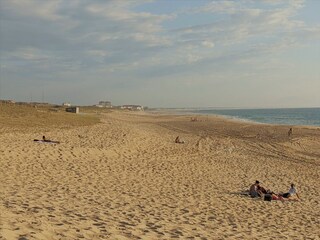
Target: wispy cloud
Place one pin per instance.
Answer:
(46, 10)
(114, 27)
(123, 39)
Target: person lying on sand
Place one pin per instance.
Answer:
(279, 197)
(178, 140)
(273, 197)
(44, 140)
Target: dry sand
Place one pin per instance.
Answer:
(125, 178)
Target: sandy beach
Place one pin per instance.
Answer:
(125, 178)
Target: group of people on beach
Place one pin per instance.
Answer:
(258, 191)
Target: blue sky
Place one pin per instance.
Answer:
(177, 53)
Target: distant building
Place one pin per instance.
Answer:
(73, 109)
(132, 107)
(106, 104)
(66, 104)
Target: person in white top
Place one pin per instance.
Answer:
(292, 191)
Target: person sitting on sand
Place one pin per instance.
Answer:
(254, 191)
(178, 140)
(291, 193)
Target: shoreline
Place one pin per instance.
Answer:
(229, 118)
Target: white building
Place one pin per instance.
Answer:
(132, 107)
(106, 104)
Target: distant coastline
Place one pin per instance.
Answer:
(277, 116)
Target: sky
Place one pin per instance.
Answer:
(165, 53)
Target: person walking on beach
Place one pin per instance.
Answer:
(290, 132)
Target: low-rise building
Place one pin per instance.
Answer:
(132, 107)
(105, 104)
(66, 104)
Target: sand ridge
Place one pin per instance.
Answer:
(125, 178)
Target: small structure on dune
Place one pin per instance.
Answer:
(73, 109)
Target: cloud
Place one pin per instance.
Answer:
(46, 10)
(207, 44)
(112, 35)
(247, 28)
(129, 41)
(94, 33)
(221, 7)
(129, 36)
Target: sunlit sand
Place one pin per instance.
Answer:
(126, 178)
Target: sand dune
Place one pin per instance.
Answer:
(125, 178)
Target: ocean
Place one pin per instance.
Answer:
(284, 116)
